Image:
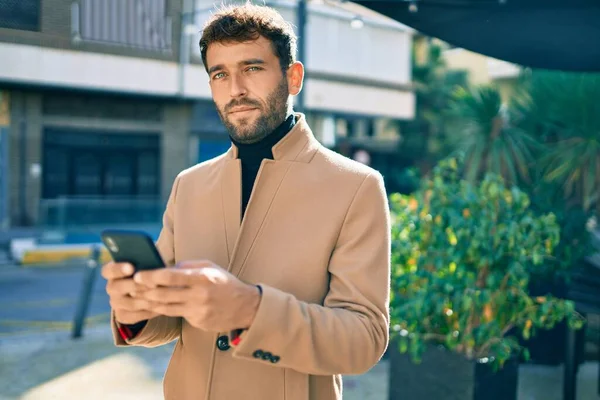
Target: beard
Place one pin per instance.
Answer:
(275, 111)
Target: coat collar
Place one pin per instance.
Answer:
(298, 145)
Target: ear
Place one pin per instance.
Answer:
(295, 77)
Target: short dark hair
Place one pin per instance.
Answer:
(240, 23)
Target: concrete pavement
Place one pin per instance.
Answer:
(52, 366)
(39, 360)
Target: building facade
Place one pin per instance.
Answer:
(484, 70)
(106, 101)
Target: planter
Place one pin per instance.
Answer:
(449, 376)
(547, 347)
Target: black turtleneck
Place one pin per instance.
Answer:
(251, 156)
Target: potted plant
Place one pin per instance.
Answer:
(560, 110)
(462, 254)
(530, 141)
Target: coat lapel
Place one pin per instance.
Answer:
(268, 182)
(231, 194)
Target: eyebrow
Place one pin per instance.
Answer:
(251, 61)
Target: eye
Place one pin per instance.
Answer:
(253, 68)
(218, 75)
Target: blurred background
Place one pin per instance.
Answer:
(104, 102)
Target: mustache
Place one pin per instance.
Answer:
(239, 103)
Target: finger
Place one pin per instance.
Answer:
(114, 270)
(170, 310)
(206, 268)
(167, 295)
(124, 287)
(130, 304)
(121, 287)
(139, 289)
(169, 277)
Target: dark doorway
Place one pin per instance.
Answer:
(84, 163)
(92, 177)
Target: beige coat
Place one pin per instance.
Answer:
(316, 236)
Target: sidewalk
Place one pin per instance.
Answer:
(49, 365)
(52, 366)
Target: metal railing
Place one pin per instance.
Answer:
(134, 23)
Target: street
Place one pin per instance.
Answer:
(39, 299)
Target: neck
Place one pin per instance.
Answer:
(263, 148)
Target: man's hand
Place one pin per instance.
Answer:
(206, 295)
(124, 294)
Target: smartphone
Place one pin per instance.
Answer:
(134, 247)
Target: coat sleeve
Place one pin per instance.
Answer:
(349, 333)
(162, 329)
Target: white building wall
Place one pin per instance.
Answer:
(364, 71)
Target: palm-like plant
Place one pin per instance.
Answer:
(483, 132)
(564, 112)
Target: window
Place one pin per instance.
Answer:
(20, 14)
(141, 24)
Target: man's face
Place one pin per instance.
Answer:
(248, 87)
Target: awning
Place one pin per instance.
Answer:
(546, 34)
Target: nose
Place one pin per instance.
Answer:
(237, 87)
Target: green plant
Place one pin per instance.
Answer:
(562, 112)
(566, 113)
(462, 254)
(482, 130)
(434, 83)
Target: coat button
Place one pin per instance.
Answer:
(223, 343)
(275, 359)
(258, 354)
(266, 356)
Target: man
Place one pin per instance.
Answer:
(279, 249)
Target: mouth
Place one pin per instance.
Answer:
(240, 110)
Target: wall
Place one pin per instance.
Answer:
(484, 70)
(4, 144)
(56, 27)
(475, 63)
(52, 58)
(175, 140)
(55, 68)
(26, 124)
(28, 112)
